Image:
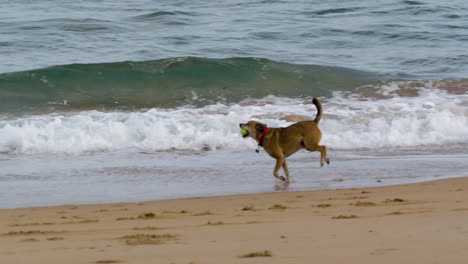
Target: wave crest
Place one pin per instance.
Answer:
(168, 83)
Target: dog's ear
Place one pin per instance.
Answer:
(259, 128)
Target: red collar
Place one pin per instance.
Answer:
(260, 142)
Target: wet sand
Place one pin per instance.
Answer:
(422, 223)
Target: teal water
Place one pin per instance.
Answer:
(169, 83)
(425, 38)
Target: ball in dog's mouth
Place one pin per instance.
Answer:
(244, 132)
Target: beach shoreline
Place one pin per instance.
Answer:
(30, 181)
(420, 221)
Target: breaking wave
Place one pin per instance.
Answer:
(394, 114)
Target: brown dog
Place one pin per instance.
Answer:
(281, 143)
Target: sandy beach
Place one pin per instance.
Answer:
(417, 223)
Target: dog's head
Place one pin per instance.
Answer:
(254, 129)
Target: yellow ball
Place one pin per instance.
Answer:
(244, 132)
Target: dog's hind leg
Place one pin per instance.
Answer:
(279, 164)
(286, 171)
(323, 153)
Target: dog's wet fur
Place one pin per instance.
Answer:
(282, 142)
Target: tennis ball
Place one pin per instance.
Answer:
(244, 132)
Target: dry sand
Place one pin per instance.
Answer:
(415, 223)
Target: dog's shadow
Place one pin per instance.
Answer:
(281, 186)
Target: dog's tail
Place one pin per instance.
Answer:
(317, 104)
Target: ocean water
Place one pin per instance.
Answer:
(110, 101)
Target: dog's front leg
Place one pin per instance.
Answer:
(279, 164)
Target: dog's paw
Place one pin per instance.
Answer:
(327, 160)
(281, 178)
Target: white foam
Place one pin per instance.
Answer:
(433, 117)
(153, 130)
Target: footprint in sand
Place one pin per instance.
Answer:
(107, 261)
(257, 254)
(278, 207)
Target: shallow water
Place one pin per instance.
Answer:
(43, 180)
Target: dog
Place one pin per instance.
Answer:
(281, 143)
